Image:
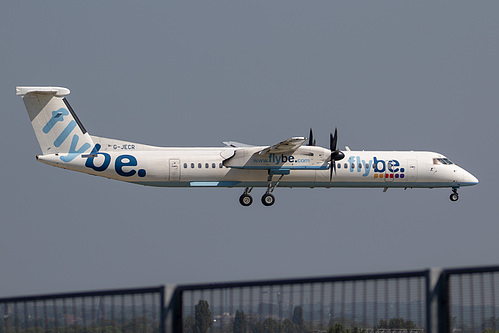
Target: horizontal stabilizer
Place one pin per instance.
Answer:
(57, 91)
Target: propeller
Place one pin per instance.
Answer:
(311, 141)
(336, 155)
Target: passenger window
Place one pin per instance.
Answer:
(199, 165)
(213, 165)
(339, 165)
(345, 165)
(220, 165)
(360, 166)
(206, 165)
(185, 165)
(192, 165)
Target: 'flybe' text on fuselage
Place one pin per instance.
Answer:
(120, 162)
(378, 167)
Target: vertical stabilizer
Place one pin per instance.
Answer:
(57, 128)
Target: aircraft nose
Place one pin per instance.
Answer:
(469, 179)
(473, 179)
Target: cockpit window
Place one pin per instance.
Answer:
(445, 161)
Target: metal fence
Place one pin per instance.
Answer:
(130, 310)
(434, 300)
(353, 304)
(472, 300)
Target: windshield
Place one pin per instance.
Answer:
(442, 161)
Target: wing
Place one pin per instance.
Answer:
(284, 146)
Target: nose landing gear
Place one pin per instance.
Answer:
(454, 195)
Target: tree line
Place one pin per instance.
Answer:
(202, 321)
(137, 324)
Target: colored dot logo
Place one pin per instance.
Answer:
(392, 175)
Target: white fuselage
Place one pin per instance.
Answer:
(307, 167)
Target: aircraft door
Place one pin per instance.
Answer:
(174, 172)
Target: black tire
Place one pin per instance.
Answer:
(268, 199)
(245, 199)
(454, 197)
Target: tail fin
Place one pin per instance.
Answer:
(57, 128)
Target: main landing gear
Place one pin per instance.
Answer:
(268, 198)
(246, 199)
(454, 195)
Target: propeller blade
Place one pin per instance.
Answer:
(336, 155)
(333, 164)
(311, 141)
(334, 139)
(331, 168)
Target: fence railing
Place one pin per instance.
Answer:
(434, 300)
(354, 303)
(130, 310)
(472, 299)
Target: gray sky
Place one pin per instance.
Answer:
(390, 75)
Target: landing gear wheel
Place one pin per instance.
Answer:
(268, 199)
(454, 197)
(245, 199)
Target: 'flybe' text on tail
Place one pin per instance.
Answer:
(57, 128)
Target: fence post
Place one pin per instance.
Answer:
(172, 313)
(437, 311)
(162, 310)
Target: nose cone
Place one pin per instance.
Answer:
(473, 180)
(469, 179)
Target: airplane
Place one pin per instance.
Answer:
(295, 162)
